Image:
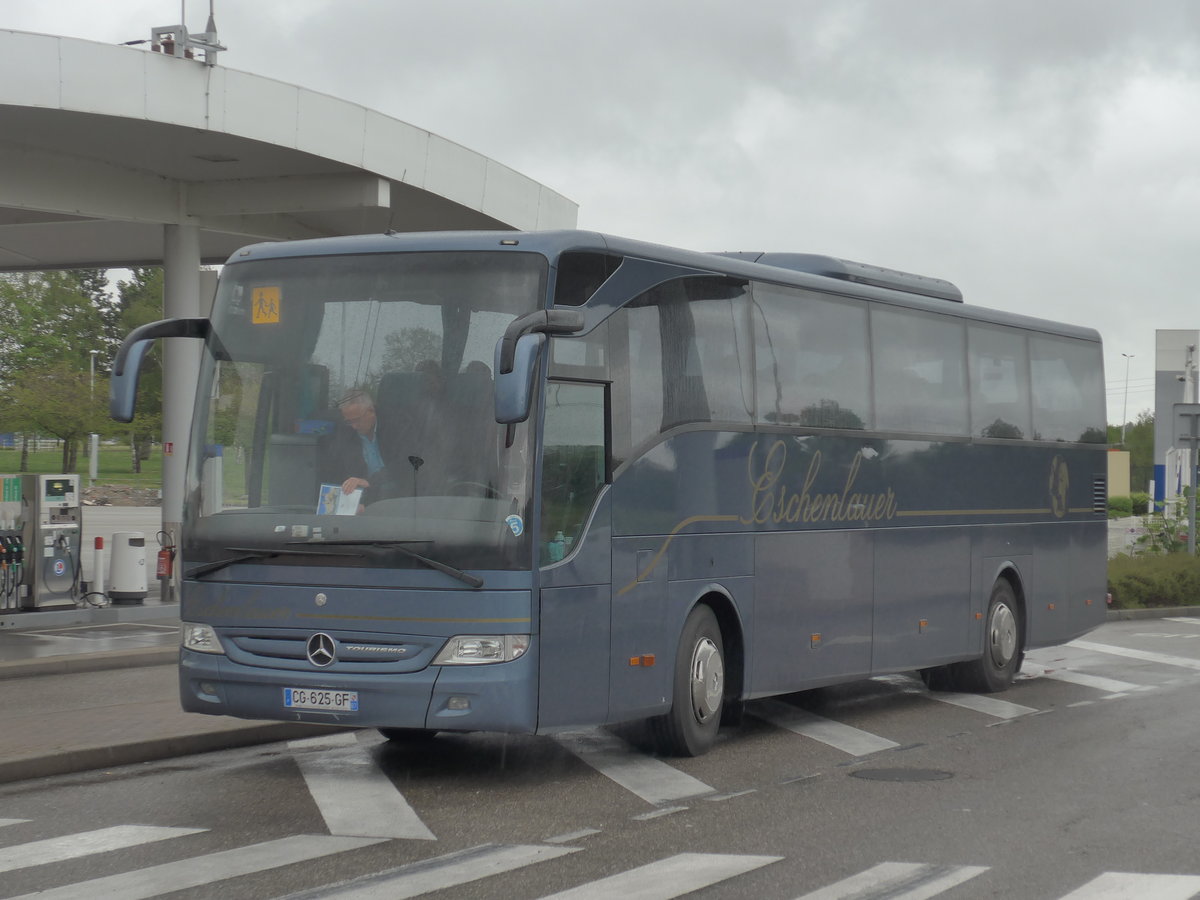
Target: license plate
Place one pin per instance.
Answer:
(320, 700)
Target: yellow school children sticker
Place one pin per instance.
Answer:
(265, 305)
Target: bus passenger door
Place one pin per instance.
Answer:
(575, 557)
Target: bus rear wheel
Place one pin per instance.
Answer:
(1002, 655)
(690, 728)
(1002, 652)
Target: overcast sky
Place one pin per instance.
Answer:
(1044, 155)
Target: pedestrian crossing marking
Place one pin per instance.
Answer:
(1132, 886)
(651, 779)
(86, 843)
(897, 881)
(1144, 655)
(1108, 685)
(666, 878)
(354, 796)
(572, 836)
(842, 737)
(451, 870)
(204, 870)
(989, 706)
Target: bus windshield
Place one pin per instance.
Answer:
(350, 406)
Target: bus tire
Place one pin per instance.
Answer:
(690, 728)
(407, 735)
(940, 678)
(1002, 651)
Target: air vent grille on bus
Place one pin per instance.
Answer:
(1100, 494)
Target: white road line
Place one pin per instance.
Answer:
(897, 881)
(204, 870)
(1145, 655)
(651, 779)
(846, 738)
(448, 871)
(572, 836)
(1108, 685)
(989, 706)
(1131, 886)
(355, 798)
(667, 878)
(4, 822)
(1185, 620)
(85, 843)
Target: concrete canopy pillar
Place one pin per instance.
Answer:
(181, 364)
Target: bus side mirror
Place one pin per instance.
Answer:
(514, 389)
(122, 386)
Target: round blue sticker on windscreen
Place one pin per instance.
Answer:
(515, 524)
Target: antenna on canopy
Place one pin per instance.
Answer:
(174, 40)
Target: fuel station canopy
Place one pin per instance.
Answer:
(113, 156)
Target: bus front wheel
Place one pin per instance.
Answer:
(690, 728)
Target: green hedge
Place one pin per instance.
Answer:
(1137, 582)
(1136, 504)
(1120, 507)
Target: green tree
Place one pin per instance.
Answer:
(50, 318)
(50, 322)
(55, 398)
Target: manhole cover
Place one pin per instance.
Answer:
(903, 774)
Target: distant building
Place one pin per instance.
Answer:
(1174, 382)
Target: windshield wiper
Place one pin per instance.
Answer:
(248, 554)
(465, 577)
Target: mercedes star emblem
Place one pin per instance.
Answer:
(322, 650)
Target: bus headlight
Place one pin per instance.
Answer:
(481, 649)
(201, 638)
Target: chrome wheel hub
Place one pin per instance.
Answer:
(1002, 635)
(708, 679)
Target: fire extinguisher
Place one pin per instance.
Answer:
(166, 556)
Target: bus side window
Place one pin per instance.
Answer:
(812, 358)
(920, 372)
(574, 462)
(999, 366)
(686, 351)
(1068, 390)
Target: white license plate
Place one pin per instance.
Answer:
(320, 700)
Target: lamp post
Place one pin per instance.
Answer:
(93, 438)
(1125, 409)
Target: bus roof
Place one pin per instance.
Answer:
(813, 271)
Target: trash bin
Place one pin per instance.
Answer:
(127, 572)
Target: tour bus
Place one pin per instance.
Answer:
(618, 483)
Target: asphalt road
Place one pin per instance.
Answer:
(1080, 779)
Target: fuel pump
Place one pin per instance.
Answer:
(53, 529)
(12, 543)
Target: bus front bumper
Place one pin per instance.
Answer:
(495, 697)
